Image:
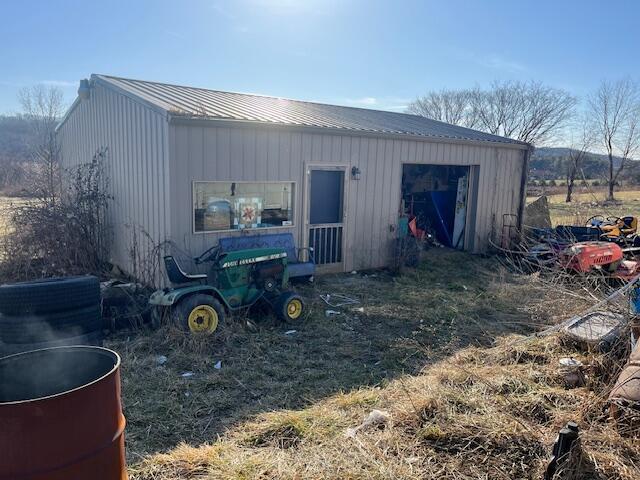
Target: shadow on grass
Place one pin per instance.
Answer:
(406, 321)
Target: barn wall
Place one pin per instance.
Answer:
(246, 153)
(136, 137)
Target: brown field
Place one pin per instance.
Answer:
(587, 204)
(5, 205)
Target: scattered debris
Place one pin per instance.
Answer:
(331, 313)
(251, 326)
(570, 362)
(218, 365)
(359, 309)
(290, 332)
(161, 359)
(124, 304)
(376, 417)
(354, 272)
(338, 300)
(561, 448)
(599, 328)
(572, 372)
(187, 374)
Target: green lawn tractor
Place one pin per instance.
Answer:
(235, 281)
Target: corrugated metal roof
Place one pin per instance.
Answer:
(213, 104)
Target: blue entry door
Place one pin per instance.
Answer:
(326, 216)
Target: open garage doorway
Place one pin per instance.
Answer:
(437, 196)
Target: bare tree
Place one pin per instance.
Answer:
(530, 112)
(615, 110)
(582, 141)
(42, 108)
(450, 106)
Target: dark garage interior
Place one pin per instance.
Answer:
(436, 196)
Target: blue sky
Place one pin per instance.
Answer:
(354, 52)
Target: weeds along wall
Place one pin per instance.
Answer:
(136, 164)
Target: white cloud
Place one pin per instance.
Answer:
(492, 60)
(498, 62)
(397, 108)
(364, 101)
(395, 104)
(297, 7)
(223, 11)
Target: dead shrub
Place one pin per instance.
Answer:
(61, 235)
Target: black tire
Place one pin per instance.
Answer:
(284, 304)
(32, 328)
(92, 338)
(49, 295)
(180, 314)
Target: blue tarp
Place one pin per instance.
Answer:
(444, 203)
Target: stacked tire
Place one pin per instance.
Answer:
(50, 312)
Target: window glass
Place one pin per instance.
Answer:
(240, 205)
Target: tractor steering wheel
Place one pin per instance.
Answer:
(208, 255)
(614, 220)
(595, 221)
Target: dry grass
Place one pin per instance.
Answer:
(462, 405)
(587, 202)
(6, 204)
(406, 321)
(480, 414)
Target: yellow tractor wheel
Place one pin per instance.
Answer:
(289, 307)
(199, 314)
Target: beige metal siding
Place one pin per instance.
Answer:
(137, 166)
(152, 164)
(247, 153)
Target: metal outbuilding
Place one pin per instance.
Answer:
(192, 165)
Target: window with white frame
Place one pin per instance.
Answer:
(219, 206)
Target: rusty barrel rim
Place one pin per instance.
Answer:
(89, 348)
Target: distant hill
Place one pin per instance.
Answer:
(15, 137)
(546, 163)
(549, 163)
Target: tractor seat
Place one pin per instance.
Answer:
(177, 275)
(629, 225)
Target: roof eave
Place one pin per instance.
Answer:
(180, 119)
(67, 114)
(99, 79)
(105, 81)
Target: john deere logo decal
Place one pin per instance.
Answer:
(248, 261)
